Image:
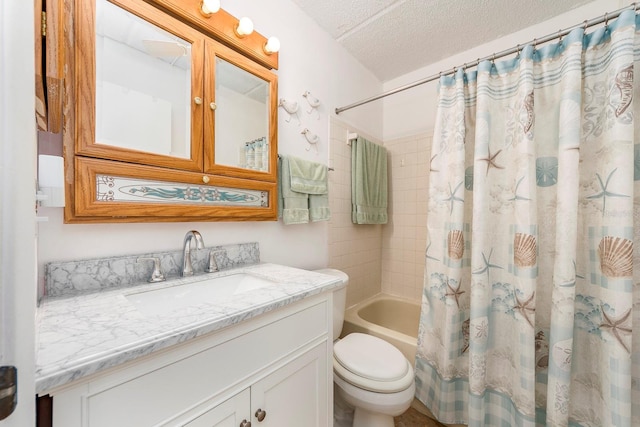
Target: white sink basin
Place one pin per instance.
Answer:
(164, 300)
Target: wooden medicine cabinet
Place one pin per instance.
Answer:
(168, 114)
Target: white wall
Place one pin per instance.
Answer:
(413, 111)
(309, 60)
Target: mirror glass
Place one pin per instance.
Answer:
(143, 84)
(241, 118)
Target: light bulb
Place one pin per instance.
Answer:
(208, 7)
(272, 45)
(245, 27)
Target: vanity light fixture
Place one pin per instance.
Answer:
(244, 27)
(209, 7)
(271, 46)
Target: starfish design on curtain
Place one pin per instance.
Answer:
(575, 276)
(575, 270)
(491, 160)
(452, 196)
(526, 308)
(431, 168)
(605, 193)
(616, 327)
(427, 253)
(454, 293)
(516, 196)
(487, 265)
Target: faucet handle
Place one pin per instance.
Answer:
(157, 275)
(213, 264)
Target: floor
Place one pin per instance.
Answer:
(413, 418)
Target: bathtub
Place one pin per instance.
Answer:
(391, 318)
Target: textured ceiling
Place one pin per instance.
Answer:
(394, 37)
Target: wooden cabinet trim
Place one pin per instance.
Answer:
(86, 203)
(77, 19)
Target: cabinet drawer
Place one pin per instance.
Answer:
(210, 375)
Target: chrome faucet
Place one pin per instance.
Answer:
(187, 267)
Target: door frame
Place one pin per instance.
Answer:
(18, 267)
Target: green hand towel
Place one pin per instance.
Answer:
(303, 191)
(308, 177)
(319, 207)
(293, 207)
(368, 182)
(311, 178)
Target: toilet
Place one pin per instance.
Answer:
(369, 373)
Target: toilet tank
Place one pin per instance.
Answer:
(339, 299)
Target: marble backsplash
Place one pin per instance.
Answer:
(90, 275)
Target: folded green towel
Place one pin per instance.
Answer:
(319, 207)
(368, 182)
(302, 191)
(308, 177)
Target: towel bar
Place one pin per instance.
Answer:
(328, 168)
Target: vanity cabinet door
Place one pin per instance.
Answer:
(295, 395)
(231, 413)
(240, 120)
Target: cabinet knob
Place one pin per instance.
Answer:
(197, 100)
(245, 423)
(205, 179)
(213, 106)
(260, 414)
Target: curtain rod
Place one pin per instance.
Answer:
(586, 24)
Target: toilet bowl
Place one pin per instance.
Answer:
(369, 373)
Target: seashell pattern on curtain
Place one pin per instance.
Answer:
(532, 279)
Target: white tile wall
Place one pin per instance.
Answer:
(404, 238)
(354, 249)
(381, 258)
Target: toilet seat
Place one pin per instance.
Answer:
(372, 364)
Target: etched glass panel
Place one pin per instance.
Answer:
(120, 189)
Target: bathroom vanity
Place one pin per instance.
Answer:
(257, 356)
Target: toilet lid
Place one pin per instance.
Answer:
(370, 357)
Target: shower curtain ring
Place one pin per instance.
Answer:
(493, 58)
(560, 35)
(585, 25)
(606, 19)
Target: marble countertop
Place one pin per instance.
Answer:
(84, 334)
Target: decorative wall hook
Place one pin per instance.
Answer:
(314, 102)
(290, 107)
(311, 138)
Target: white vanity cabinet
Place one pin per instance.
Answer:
(277, 363)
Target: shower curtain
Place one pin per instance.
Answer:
(531, 284)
